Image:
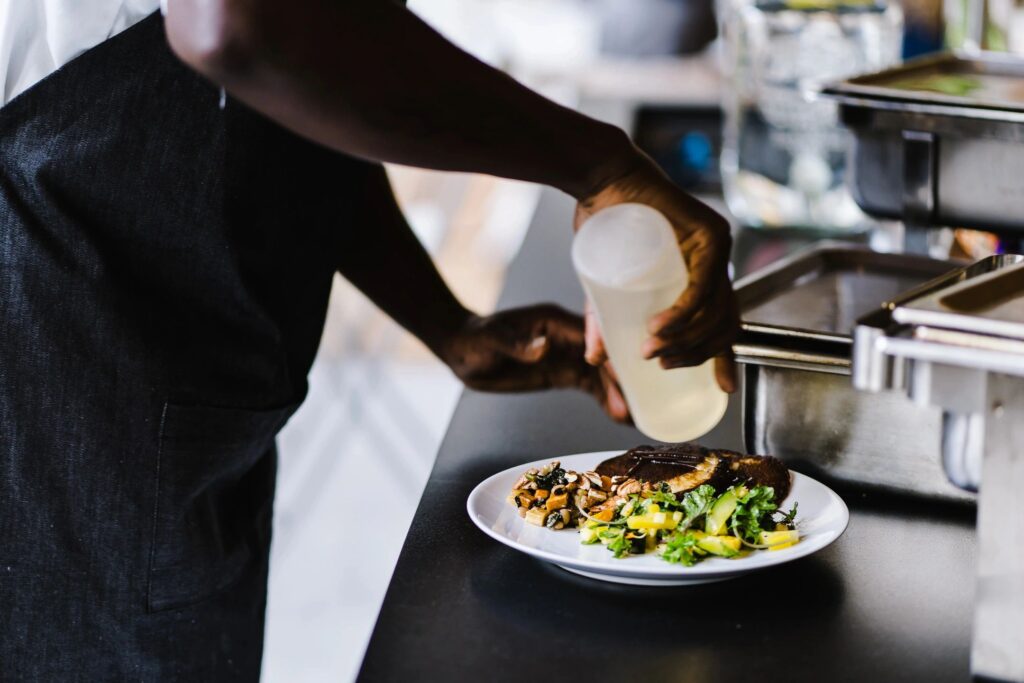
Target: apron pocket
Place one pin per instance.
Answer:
(214, 498)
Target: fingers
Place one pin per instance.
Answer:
(706, 253)
(595, 353)
(542, 347)
(614, 400)
(526, 348)
(692, 357)
(528, 335)
(712, 321)
(725, 372)
(602, 384)
(710, 334)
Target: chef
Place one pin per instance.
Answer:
(175, 197)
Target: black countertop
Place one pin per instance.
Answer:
(889, 601)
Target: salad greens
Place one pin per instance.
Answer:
(701, 523)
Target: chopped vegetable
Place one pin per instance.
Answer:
(725, 546)
(537, 516)
(557, 502)
(722, 510)
(777, 540)
(682, 548)
(959, 85)
(632, 517)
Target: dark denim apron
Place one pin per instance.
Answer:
(165, 265)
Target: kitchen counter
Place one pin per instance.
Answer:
(889, 601)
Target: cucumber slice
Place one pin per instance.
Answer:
(720, 513)
(723, 546)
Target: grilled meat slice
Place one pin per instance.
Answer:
(686, 466)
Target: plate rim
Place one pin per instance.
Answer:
(670, 572)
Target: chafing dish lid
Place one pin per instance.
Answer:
(991, 304)
(818, 294)
(984, 85)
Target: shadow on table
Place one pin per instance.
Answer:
(542, 597)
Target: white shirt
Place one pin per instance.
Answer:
(37, 37)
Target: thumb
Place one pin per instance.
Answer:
(595, 353)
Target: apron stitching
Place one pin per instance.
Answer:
(156, 511)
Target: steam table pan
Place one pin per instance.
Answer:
(939, 141)
(795, 353)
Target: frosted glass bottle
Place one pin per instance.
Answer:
(628, 261)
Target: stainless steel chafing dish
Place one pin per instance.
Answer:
(939, 141)
(958, 346)
(925, 393)
(868, 369)
(796, 353)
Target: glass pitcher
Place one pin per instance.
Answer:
(784, 151)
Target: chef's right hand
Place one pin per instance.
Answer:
(526, 349)
(704, 320)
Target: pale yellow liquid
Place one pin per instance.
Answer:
(669, 405)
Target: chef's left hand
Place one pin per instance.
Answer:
(524, 349)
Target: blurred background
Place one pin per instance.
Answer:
(379, 403)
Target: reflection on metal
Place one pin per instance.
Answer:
(998, 650)
(919, 155)
(938, 156)
(959, 347)
(963, 437)
(796, 349)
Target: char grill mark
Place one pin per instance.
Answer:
(686, 466)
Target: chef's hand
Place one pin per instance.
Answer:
(524, 349)
(704, 321)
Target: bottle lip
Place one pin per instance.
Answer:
(653, 272)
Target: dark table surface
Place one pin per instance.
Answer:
(889, 601)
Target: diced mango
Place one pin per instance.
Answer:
(655, 520)
(777, 540)
(604, 515)
(557, 502)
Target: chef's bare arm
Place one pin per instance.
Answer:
(369, 78)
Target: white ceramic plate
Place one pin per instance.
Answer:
(822, 517)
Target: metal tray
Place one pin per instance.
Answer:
(991, 80)
(811, 300)
(795, 353)
(935, 158)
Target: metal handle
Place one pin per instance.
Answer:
(919, 157)
(963, 443)
(756, 354)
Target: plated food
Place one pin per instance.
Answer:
(822, 518)
(683, 502)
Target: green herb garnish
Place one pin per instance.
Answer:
(617, 541)
(789, 517)
(681, 548)
(753, 513)
(696, 503)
